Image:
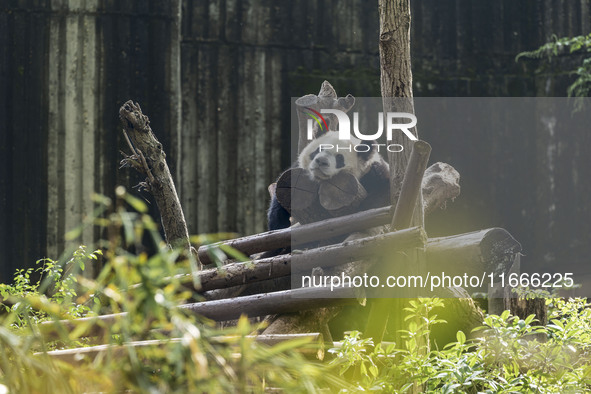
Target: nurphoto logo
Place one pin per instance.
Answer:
(392, 125)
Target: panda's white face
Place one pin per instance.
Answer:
(323, 160)
(324, 165)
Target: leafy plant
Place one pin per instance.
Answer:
(50, 275)
(179, 352)
(568, 45)
(508, 355)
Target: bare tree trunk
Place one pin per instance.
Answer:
(396, 82)
(149, 159)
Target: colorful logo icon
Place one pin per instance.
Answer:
(316, 118)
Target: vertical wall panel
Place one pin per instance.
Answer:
(23, 194)
(227, 149)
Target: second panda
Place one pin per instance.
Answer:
(322, 162)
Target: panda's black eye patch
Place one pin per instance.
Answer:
(340, 161)
(313, 154)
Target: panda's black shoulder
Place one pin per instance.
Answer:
(378, 176)
(377, 184)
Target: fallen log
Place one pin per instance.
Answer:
(235, 274)
(484, 251)
(322, 230)
(288, 301)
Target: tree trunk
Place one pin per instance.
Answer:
(149, 158)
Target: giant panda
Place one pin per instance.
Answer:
(323, 163)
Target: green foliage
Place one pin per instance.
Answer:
(49, 274)
(188, 353)
(508, 355)
(386, 367)
(558, 46)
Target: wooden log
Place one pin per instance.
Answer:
(501, 299)
(341, 194)
(411, 185)
(485, 251)
(288, 301)
(149, 158)
(335, 227)
(295, 190)
(519, 306)
(409, 199)
(235, 274)
(492, 250)
(326, 98)
(326, 229)
(79, 356)
(441, 183)
(441, 176)
(270, 240)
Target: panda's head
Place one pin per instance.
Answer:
(326, 156)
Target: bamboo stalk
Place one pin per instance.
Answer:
(82, 355)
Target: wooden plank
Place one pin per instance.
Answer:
(88, 118)
(190, 149)
(246, 135)
(6, 232)
(262, 155)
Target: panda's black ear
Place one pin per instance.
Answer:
(373, 149)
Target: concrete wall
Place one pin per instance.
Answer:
(66, 67)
